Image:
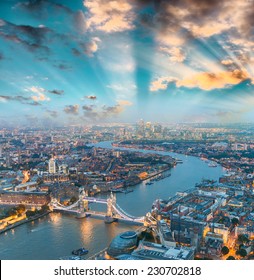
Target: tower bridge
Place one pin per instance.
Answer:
(114, 211)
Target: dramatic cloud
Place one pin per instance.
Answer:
(42, 8)
(72, 109)
(32, 38)
(175, 54)
(209, 81)
(204, 80)
(176, 23)
(110, 16)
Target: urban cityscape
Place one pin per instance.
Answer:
(68, 171)
(126, 130)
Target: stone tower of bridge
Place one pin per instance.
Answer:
(83, 202)
(111, 204)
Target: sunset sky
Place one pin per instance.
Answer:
(97, 61)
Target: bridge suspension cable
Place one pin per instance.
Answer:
(66, 207)
(125, 215)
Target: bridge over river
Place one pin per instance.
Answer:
(114, 211)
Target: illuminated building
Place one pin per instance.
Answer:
(52, 166)
(123, 243)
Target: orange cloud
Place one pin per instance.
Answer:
(175, 54)
(209, 81)
(227, 62)
(40, 96)
(110, 16)
(204, 80)
(161, 83)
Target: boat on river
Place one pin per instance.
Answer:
(80, 252)
(212, 164)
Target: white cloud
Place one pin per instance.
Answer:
(110, 16)
(40, 96)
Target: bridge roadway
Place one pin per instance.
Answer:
(118, 212)
(96, 200)
(101, 215)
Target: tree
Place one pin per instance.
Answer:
(235, 222)
(73, 199)
(21, 208)
(224, 250)
(243, 238)
(30, 213)
(242, 252)
(230, 258)
(44, 208)
(12, 212)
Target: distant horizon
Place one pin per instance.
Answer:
(116, 124)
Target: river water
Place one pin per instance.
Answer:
(56, 235)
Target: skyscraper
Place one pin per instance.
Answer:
(52, 166)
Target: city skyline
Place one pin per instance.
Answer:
(95, 61)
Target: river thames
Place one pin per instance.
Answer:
(56, 235)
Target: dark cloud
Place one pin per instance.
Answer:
(52, 113)
(43, 9)
(87, 108)
(111, 110)
(19, 98)
(98, 113)
(195, 18)
(63, 66)
(90, 112)
(34, 103)
(76, 52)
(80, 21)
(56, 91)
(94, 112)
(247, 25)
(36, 34)
(72, 109)
(92, 97)
(32, 38)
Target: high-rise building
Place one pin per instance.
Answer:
(8, 159)
(52, 166)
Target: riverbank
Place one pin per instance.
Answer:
(209, 159)
(27, 220)
(129, 186)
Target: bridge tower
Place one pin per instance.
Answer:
(83, 203)
(111, 204)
